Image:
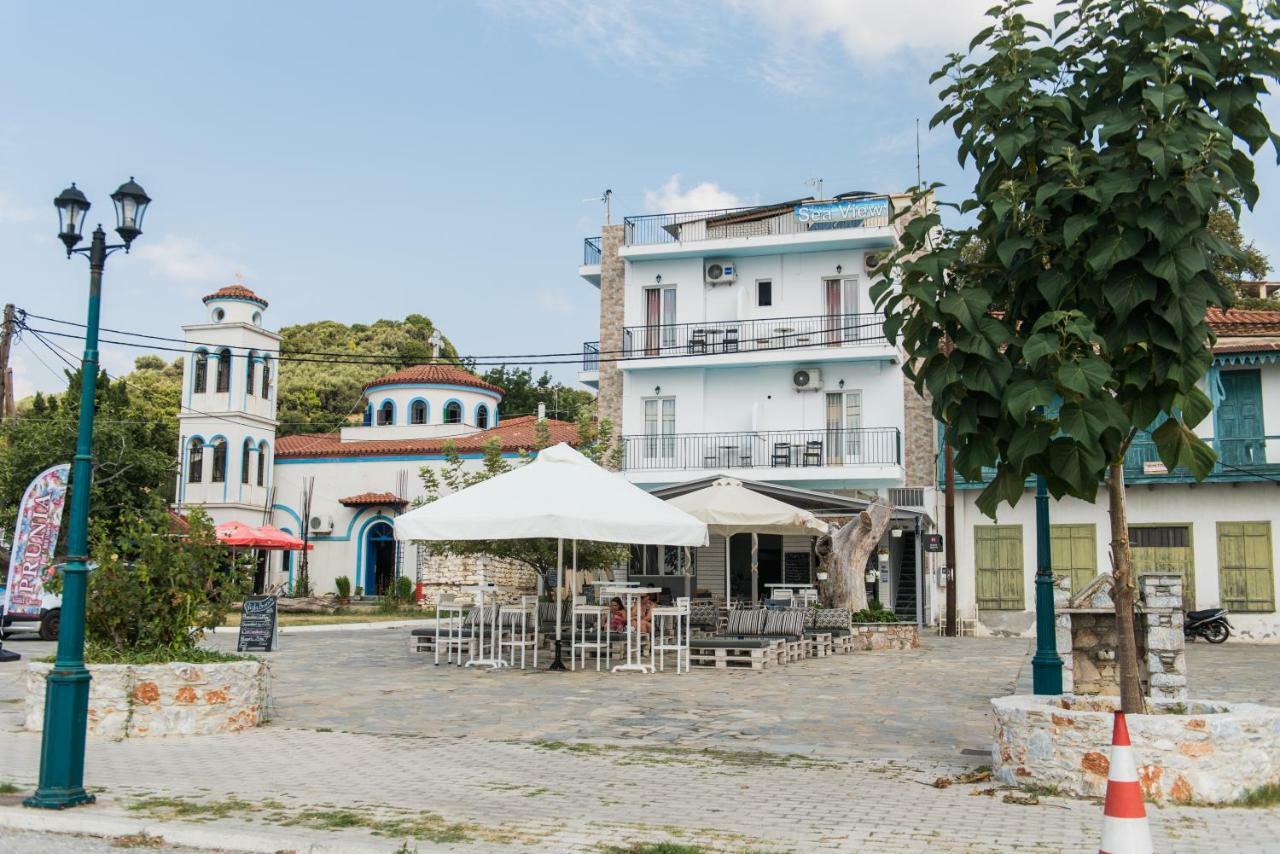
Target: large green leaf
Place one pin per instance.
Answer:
(1163, 97)
(1079, 465)
(1006, 487)
(1088, 419)
(1076, 225)
(1084, 376)
(966, 305)
(1029, 441)
(1023, 396)
(1180, 447)
(1110, 251)
(1125, 293)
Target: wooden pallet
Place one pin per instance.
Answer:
(725, 658)
(820, 645)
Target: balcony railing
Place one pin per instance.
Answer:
(763, 449)
(591, 356)
(591, 252)
(757, 221)
(745, 336)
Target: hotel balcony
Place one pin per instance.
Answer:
(748, 342)
(803, 225)
(1240, 459)
(590, 269)
(867, 454)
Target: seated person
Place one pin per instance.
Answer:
(643, 618)
(617, 615)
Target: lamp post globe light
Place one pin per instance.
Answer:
(66, 708)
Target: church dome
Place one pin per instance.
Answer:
(236, 291)
(434, 374)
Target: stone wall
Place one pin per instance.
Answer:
(612, 277)
(132, 701)
(919, 444)
(1165, 661)
(1212, 754)
(878, 636)
(448, 573)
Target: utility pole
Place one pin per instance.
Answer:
(949, 521)
(6, 341)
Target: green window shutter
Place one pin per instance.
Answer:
(1245, 577)
(1074, 553)
(998, 564)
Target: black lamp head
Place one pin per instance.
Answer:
(72, 207)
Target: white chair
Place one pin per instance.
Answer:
(518, 629)
(670, 621)
(583, 617)
(450, 611)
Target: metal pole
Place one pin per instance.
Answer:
(66, 706)
(949, 535)
(1046, 665)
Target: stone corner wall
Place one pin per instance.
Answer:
(448, 573)
(881, 636)
(133, 701)
(919, 441)
(612, 282)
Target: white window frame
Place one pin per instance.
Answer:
(664, 417)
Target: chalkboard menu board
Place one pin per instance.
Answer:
(257, 624)
(795, 567)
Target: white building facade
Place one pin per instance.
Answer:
(349, 485)
(745, 343)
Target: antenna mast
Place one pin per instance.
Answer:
(816, 183)
(918, 181)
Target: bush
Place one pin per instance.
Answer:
(874, 613)
(404, 588)
(155, 588)
(344, 586)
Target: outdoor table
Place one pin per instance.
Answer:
(783, 333)
(633, 658)
(796, 587)
(494, 660)
(727, 453)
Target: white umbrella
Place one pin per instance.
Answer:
(730, 508)
(559, 494)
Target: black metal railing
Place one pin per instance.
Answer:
(764, 449)
(591, 356)
(755, 221)
(739, 336)
(591, 252)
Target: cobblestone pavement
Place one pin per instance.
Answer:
(370, 744)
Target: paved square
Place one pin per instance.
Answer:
(370, 744)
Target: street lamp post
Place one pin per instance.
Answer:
(66, 707)
(1046, 664)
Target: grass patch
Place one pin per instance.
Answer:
(344, 615)
(9, 789)
(198, 810)
(1263, 796)
(138, 840)
(656, 755)
(425, 826)
(98, 654)
(654, 848)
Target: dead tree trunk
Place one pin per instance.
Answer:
(846, 560)
(1123, 594)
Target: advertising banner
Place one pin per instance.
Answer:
(34, 539)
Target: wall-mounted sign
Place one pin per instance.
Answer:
(844, 211)
(1154, 467)
(933, 542)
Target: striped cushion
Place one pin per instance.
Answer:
(746, 621)
(788, 622)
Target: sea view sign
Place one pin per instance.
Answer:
(844, 212)
(34, 539)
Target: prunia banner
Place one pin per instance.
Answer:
(34, 538)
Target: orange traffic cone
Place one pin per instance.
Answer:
(1124, 818)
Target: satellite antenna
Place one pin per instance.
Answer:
(816, 183)
(604, 197)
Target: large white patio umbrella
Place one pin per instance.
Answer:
(559, 494)
(730, 508)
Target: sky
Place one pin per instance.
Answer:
(362, 161)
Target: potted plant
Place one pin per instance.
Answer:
(344, 589)
(359, 592)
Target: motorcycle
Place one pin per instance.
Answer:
(1210, 624)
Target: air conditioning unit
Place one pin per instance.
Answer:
(320, 524)
(720, 272)
(871, 260)
(807, 379)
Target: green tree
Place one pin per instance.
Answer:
(134, 443)
(595, 441)
(1247, 264)
(523, 393)
(1102, 145)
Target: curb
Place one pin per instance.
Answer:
(338, 627)
(221, 838)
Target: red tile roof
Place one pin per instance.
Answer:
(517, 434)
(236, 291)
(1243, 322)
(1248, 347)
(373, 499)
(434, 374)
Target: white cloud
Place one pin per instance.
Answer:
(670, 198)
(12, 211)
(187, 260)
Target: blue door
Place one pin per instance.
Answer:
(1240, 428)
(379, 560)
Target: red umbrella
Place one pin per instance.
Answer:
(236, 535)
(271, 537)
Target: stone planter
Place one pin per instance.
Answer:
(130, 701)
(1213, 754)
(878, 636)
